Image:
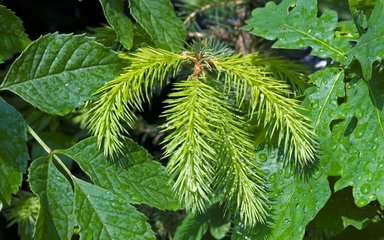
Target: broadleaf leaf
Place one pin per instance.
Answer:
(370, 46)
(13, 150)
(341, 212)
(142, 181)
(13, 37)
(322, 103)
(59, 72)
(296, 201)
(158, 18)
(56, 219)
(103, 215)
(295, 25)
(352, 131)
(114, 12)
(364, 144)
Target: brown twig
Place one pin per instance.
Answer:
(211, 5)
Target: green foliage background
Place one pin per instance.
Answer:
(57, 183)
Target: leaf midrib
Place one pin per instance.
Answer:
(4, 86)
(94, 210)
(326, 101)
(339, 52)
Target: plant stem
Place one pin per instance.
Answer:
(49, 150)
(211, 5)
(39, 140)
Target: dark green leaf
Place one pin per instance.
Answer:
(341, 212)
(13, 38)
(56, 219)
(143, 181)
(59, 72)
(370, 47)
(295, 25)
(114, 12)
(103, 215)
(13, 150)
(372, 232)
(192, 228)
(195, 226)
(158, 18)
(295, 201)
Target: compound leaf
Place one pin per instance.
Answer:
(13, 37)
(158, 18)
(56, 219)
(59, 72)
(13, 150)
(114, 13)
(142, 181)
(103, 215)
(370, 46)
(295, 25)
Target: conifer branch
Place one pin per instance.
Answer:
(269, 99)
(239, 177)
(189, 146)
(119, 97)
(209, 152)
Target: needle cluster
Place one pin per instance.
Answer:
(211, 156)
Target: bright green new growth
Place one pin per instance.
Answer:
(211, 157)
(128, 91)
(270, 102)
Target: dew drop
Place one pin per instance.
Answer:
(361, 202)
(358, 133)
(263, 157)
(272, 178)
(365, 188)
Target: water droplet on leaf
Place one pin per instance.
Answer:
(272, 178)
(263, 157)
(365, 188)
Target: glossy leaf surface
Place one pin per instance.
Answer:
(13, 150)
(59, 72)
(158, 18)
(56, 219)
(142, 180)
(103, 215)
(13, 37)
(295, 25)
